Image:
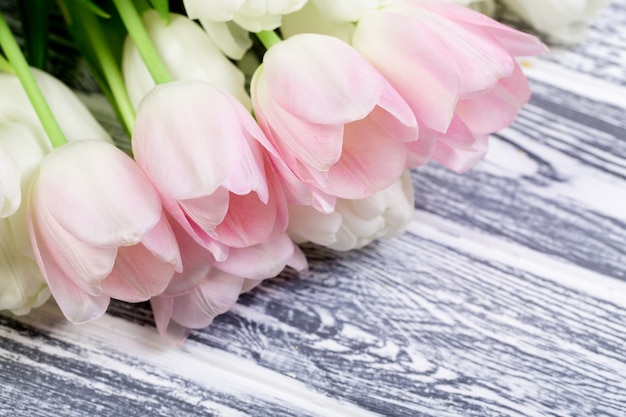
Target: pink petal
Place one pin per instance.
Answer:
(188, 138)
(196, 262)
(77, 305)
(261, 261)
(137, 275)
(162, 308)
(370, 160)
(215, 296)
(498, 108)
(414, 60)
(321, 79)
(420, 151)
(202, 237)
(161, 242)
(249, 221)
(516, 42)
(317, 145)
(112, 201)
(459, 149)
(208, 211)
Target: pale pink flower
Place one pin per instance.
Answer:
(206, 288)
(203, 151)
(98, 229)
(456, 69)
(23, 145)
(336, 123)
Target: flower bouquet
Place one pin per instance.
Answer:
(254, 126)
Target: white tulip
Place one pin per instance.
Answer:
(355, 223)
(562, 20)
(188, 53)
(228, 21)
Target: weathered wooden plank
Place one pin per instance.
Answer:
(415, 326)
(603, 53)
(554, 181)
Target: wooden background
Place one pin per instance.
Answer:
(506, 296)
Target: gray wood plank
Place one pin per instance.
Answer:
(415, 326)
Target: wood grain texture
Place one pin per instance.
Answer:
(506, 296)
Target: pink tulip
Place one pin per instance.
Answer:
(206, 288)
(98, 230)
(203, 151)
(336, 123)
(456, 69)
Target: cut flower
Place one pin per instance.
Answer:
(335, 122)
(98, 230)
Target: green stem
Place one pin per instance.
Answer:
(109, 67)
(5, 66)
(22, 70)
(138, 34)
(268, 38)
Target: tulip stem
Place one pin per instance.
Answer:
(108, 65)
(141, 39)
(5, 66)
(22, 70)
(268, 38)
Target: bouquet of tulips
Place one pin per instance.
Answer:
(254, 126)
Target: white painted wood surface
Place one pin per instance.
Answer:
(506, 296)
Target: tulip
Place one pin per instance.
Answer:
(334, 121)
(98, 230)
(188, 53)
(204, 153)
(562, 20)
(207, 288)
(75, 120)
(456, 69)
(356, 223)
(10, 197)
(228, 21)
(22, 286)
(23, 145)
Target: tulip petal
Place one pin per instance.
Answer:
(200, 236)
(137, 275)
(119, 211)
(460, 149)
(187, 138)
(261, 261)
(248, 222)
(208, 211)
(516, 42)
(171, 331)
(370, 160)
(503, 102)
(231, 38)
(318, 145)
(76, 304)
(215, 296)
(196, 260)
(414, 60)
(10, 192)
(320, 79)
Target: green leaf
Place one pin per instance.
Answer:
(35, 30)
(94, 8)
(163, 8)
